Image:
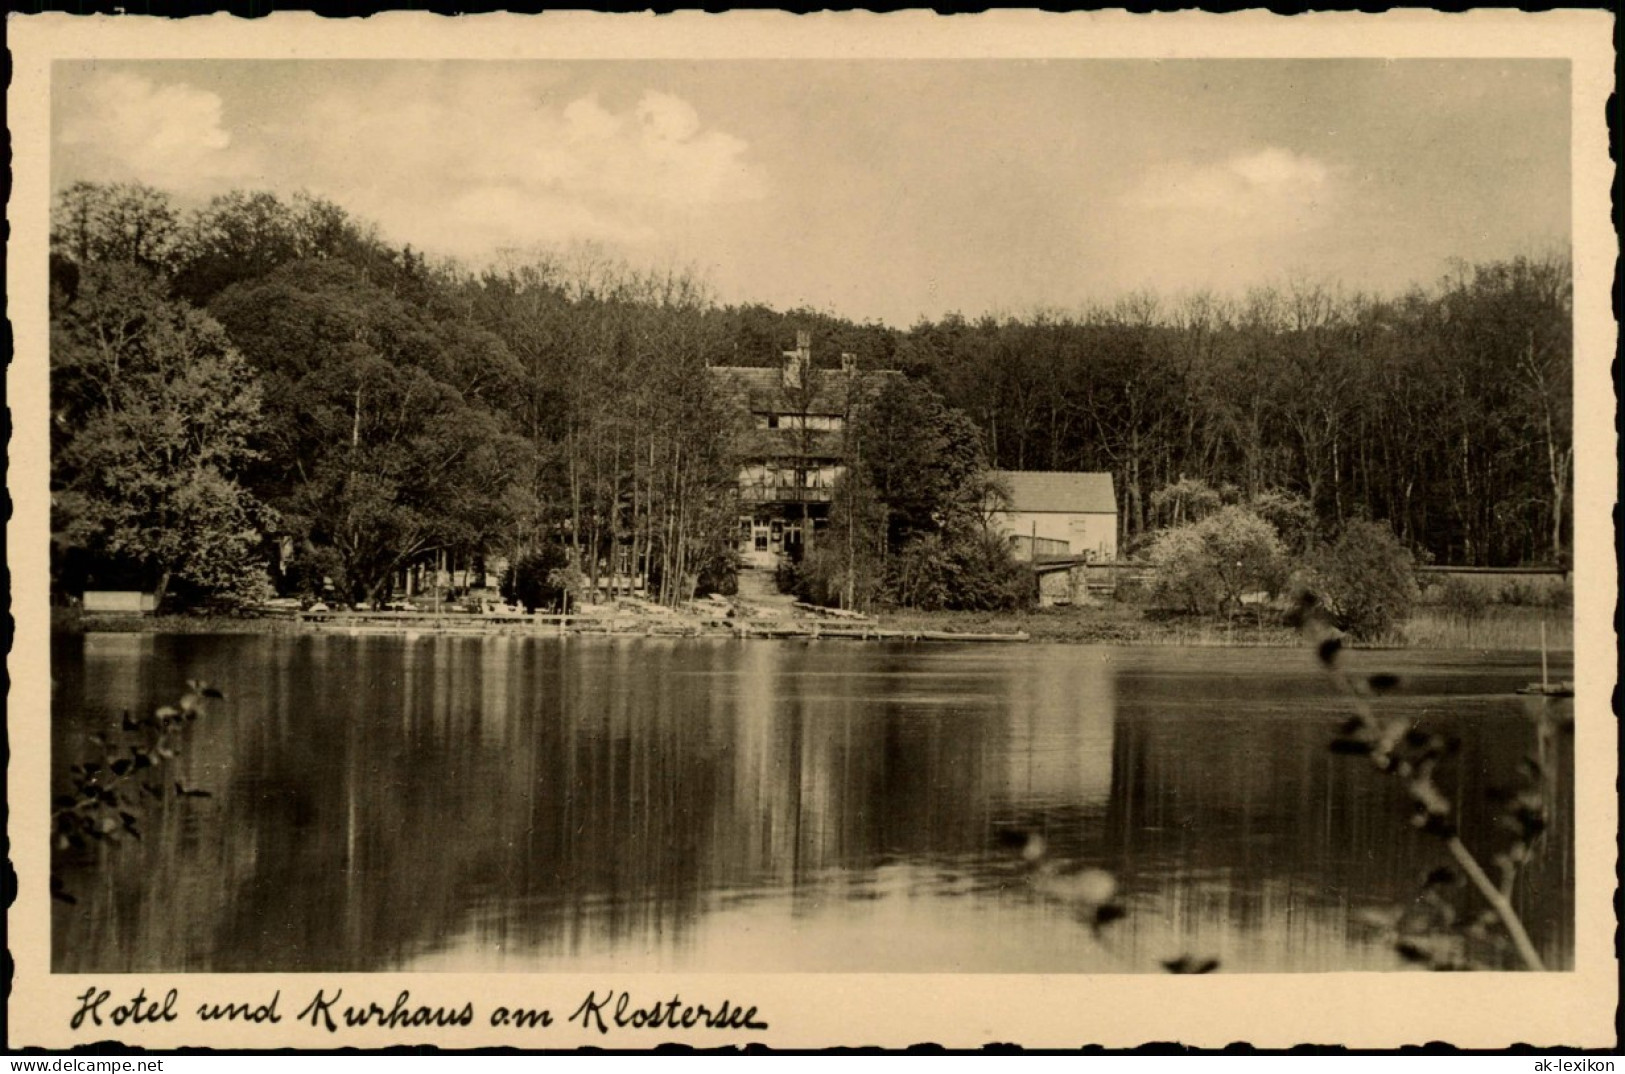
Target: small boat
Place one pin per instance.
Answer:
(1545, 687)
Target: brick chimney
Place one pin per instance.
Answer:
(798, 361)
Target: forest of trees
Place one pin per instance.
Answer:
(1447, 411)
(263, 393)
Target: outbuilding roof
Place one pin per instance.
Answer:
(1060, 491)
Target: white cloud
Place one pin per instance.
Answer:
(1273, 187)
(462, 162)
(477, 166)
(1252, 216)
(585, 120)
(667, 119)
(123, 126)
(488, 218)
(1280, 169)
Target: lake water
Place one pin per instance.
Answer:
(568, 804)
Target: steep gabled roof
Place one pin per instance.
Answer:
(830, 394)
(1066, 492)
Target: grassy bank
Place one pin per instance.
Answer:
(1103, 624)
(1499, 628)
(73, 621)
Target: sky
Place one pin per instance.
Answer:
(877, 190)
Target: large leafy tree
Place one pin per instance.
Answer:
(127, 222)
(245, 235)
(379, 446)
(912, 519)
(921, 457)
(153, 410)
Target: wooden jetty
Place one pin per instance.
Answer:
(815, 630)
(718, 623)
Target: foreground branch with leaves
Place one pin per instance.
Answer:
(1436, 935)
(106, 797)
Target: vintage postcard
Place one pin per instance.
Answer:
(851, 530)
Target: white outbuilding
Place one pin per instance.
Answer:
(1060, 515)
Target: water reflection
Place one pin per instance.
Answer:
(567, 803)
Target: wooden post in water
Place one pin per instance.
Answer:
(1543, 684)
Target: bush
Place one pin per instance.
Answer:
(720, 574)
(1461, 599)
(1208, 566)
(823, 575)
(1531, 594)
(1187, 500)
(1366, 579)
(965, 571)
(787, 575)
(990, 578)
(922, 575)
(1290, 514)
(1131, 591)
(244, 594)
(307, 574)
(536, 580)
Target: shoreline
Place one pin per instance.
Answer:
(1507, 630)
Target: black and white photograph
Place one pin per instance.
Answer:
(618, 525)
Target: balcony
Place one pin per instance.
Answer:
(756, 494)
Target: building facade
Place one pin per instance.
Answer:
(795, 450)
(1060, 515)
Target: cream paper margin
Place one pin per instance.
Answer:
(821, 1010)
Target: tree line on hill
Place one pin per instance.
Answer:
(262, 394)
(1445, 411)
